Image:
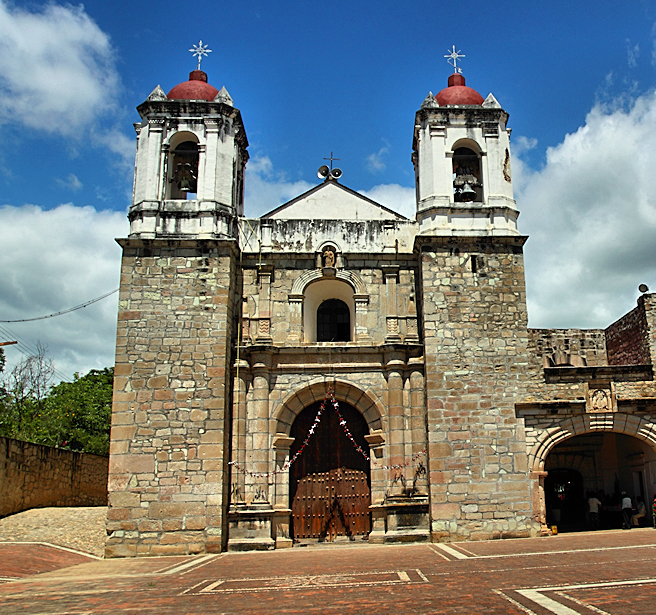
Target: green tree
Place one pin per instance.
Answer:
(74, 415)
(77, 415)
(24, 390)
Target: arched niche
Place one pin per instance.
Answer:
(183, 166)
(467, 171)
(333, 321)
(316, 294)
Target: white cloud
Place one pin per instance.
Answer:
(70, 183)
(53, 260)
(590, 213)
(265, 190)
(375, 162)
(57, 69)
(399, 198)
(633, 53)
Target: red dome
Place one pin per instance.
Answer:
(457, 93)
(196, 88)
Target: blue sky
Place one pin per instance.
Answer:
(577, 79)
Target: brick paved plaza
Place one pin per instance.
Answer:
(605, 572)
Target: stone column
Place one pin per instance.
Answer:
(153, 174)
(238, 487)
(281, 504)
(202, 172)
(295, 319)
(163, 182)
(266, 231)
(417, 425)
(265, 273)
(394, 364)
(361, 311)
(207, 154)
(391, 275)
(485, 176)
(539, 503)
(258, 429)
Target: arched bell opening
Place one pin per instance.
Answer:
(467, 184)
(183, 166)
(599, 465)
(330, 482)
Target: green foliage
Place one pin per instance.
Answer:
(77, 415)
(74, 415)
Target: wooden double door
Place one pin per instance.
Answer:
(329, 483)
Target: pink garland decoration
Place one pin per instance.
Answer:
(317, 419)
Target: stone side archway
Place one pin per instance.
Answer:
(619, 422)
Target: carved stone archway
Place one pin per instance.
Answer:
(284, 415)
(616, 422)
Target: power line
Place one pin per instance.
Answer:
(28, 349)
(77, 307)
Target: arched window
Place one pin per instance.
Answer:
(183, 170)
(467, 184)
(333, 321)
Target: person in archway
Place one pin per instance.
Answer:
(653, 511)
(627, 511)
(640, 513)
(593, 507)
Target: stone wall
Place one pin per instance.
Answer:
(172, 397)
(35, 476)
(627, 339)
(474, 308)
(278, 297)
(577, 347)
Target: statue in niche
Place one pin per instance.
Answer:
(329, 257)
(599, 401)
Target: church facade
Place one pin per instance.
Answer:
(336, 371)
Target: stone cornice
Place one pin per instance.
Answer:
(426, 242)
(614, 373)
(336, 357)
(202, 245)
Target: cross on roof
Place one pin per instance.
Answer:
(331, 160)
(199, 51)
(453, 57)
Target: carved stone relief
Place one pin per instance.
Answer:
(600, 397)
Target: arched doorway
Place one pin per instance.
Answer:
(602, 464)
(329, 484)
(565, 500)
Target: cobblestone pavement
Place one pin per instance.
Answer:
(610, 572)
(79, 528)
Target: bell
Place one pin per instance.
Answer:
(468, 193)
(185, 184)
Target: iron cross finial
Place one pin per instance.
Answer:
(199, 51)
(331, 160)
(453, 57)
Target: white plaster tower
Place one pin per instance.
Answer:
(189, 171)
(461, 155)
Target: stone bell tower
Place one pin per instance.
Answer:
(191, 154)
(178, 299)
(474, 316)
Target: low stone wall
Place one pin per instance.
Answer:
(35, 476)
